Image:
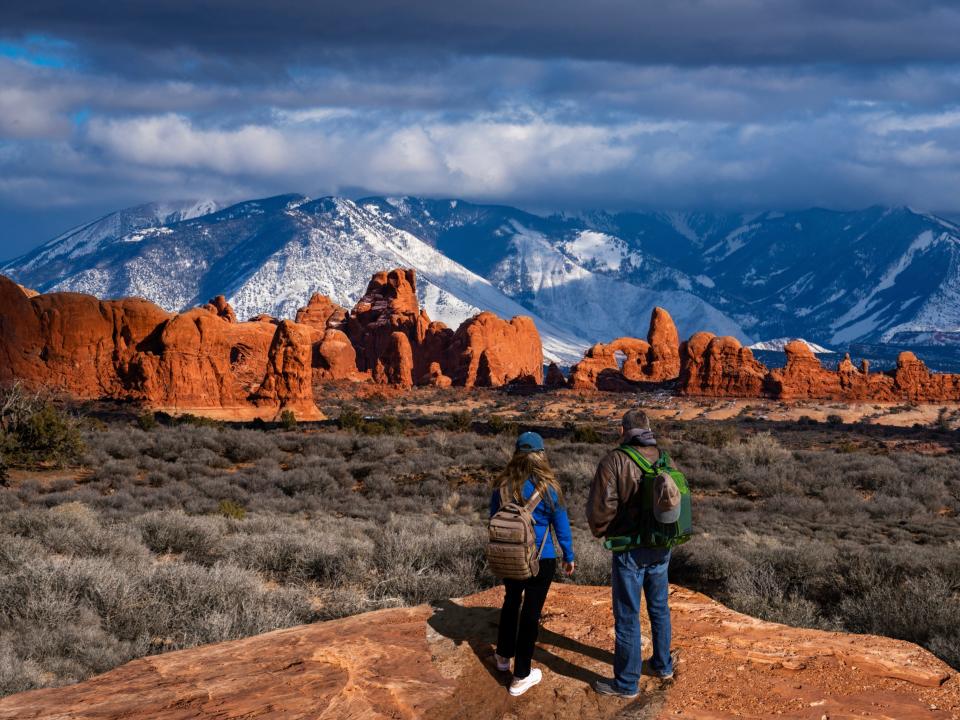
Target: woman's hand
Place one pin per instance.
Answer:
(568, 568)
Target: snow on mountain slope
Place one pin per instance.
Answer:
(270, 255)
(880, 275)
(561, 290)
(344, 243)
(42, 267)
(778, 345)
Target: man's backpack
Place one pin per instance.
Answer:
(512, 551)
(653, 534)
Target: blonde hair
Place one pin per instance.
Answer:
(525, 466)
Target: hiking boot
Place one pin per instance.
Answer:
(606, 687)
(520, 685)
(503, 664)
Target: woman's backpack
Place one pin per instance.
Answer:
(512, 551)
(653, 534)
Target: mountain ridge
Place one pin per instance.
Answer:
(879, 275)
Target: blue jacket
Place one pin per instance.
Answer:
(547, 513)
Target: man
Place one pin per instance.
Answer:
(614, 509)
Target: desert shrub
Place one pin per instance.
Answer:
(712, 435)
(288, 420)
(459, 421)
(196, 538)
(422, 560)
(147, 421)
(761, 450)
(834, 419)
(758, 590)
(349, 419)
(231, 509)
(585, 434)
(46, 435)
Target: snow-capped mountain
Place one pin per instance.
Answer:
(81, 246)
(270, 255)
(875, 276)
(882, 275)
(779, 344)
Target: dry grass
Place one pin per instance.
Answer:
(189, 533)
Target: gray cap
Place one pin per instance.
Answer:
(666, 499)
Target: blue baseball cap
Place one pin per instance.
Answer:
(529, 442)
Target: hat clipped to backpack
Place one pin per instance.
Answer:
(529, 442)
(666, 499)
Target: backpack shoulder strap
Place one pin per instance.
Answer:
(504, 495)
(532, 502)
(639, 459)
(664, 460)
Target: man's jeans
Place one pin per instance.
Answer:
(633, 570)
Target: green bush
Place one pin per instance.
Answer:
(459, 421)
(586, 434)
(147, 421)
(230, 509)
(500, 426)
(350, 418)
(45, 436)
(288, 420)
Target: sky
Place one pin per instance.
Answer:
(543, 104)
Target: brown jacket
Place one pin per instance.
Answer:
(611, 511)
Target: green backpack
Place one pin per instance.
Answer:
(653, 534)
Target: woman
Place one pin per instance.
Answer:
(527, 471)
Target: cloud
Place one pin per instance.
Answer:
(182, 35)
(729, 104)
(170, 141)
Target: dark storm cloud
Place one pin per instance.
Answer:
(184, 36)
(731, 104)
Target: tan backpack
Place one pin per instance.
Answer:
(512, 551)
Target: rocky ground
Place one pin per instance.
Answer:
(434, 662)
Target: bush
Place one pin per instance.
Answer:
(45, 436)
(288, 420)
(230, 509)
(460, 421)
(585, 434)
(349, 419)
(497, 424)
(147, 421)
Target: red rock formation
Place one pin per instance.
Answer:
(913, 381)
(663, 358)
(388, 307)
(435, 377)
(487, 351)
(288, 380)
(804, 377)
(719, 367)
(70, 342)
(334, 358)
(130, 349)
(555, 377)
(219, 306)
(436, 663)
(615, 365)
(322, 313)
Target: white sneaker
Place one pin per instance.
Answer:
(520, 685)
(503, 664)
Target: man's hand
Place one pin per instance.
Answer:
(568, 568)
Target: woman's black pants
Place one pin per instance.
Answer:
(520, 617)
